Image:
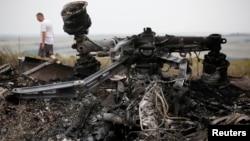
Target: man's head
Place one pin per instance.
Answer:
(39, 16)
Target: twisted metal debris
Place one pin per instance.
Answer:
(143, 105)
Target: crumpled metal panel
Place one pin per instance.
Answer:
(49, 72)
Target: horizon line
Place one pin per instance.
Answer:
(99, 34)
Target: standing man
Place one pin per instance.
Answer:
(47, 38)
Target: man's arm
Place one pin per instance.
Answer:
(43, 39)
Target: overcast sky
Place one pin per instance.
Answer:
(131, 16)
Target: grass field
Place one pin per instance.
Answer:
(237, 50)
(237, 68)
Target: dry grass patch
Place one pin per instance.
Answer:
(239, 68)
(236, 69)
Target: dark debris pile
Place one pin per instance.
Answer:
(50, 119)
(36, 119)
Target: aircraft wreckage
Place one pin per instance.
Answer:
(144, 102)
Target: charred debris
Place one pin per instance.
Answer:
(132, 99)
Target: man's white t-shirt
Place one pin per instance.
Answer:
(46, 26)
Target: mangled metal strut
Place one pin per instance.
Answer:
(85, 84)
(38, 67)
(183, 66)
